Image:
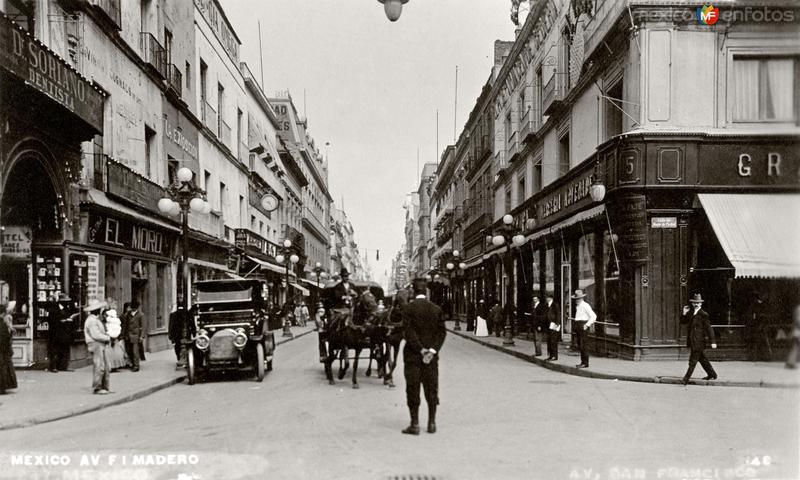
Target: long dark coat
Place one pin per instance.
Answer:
(135, 325)
(8, 377)
(700, 334)
(423, 324)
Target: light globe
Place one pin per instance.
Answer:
(287, 243)
(508, 219)
(185, 175)
(165, 206)
(175, 209)
(280, 258)
(197, 204)
(294, 258)
(498, 240)
(518, 240)
(450, 265)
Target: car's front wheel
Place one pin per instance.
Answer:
(190, 366)
(260, 362)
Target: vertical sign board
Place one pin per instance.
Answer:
(79, 284)
(631, 223)
(48, 283)
(93, 291)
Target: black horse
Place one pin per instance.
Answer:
(352, 328)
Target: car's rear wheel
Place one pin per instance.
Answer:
(260, 362)
(192, 373)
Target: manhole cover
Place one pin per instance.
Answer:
(548, 382)
(414, 477)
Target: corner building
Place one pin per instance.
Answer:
(691, 131)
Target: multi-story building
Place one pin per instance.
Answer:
(84, 168)
(345, 252)
(642, 174)
(420, 258)
(411, 232)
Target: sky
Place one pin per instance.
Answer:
(372, 88)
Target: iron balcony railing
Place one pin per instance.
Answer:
(153, 53)
(175, 79)
(111, 10)
(554, 92)
(209, 116)
(224, 133)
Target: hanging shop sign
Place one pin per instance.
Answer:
(111, 231)
(31, 61)
(16, 242)
(248, 240)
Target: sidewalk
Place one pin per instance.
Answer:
(731, 374)
(42, 396)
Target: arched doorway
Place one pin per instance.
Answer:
(31, 213)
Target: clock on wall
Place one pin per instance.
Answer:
(269, 202)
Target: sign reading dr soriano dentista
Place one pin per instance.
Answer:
(39, 67)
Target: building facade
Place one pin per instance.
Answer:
(632, 184)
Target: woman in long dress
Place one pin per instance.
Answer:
(481, 329)
(8, 377)
(117, 357)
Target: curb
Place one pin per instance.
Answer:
(626, 378)
(28, 422)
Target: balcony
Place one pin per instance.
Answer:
(512, 147)
(153, 53)
(110, 10)
(313, 221)
(209, 116)
(224, 133)
(554, 93)
(175, 79)
(210, 224)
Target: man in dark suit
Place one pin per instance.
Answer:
(423, 323)
(179, 322)
(61, 332)
(551, 319)
(135, 334)
(700, 334)
(539, 324)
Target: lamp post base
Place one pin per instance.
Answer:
(508, 339)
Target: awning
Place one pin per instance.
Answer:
(268, 266)
(207, 264)
(759, 232)
(313, 283)
(99, 198)
(304, 290)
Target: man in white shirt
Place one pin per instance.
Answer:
(584, 318)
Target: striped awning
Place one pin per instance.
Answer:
(760, 233)
(302, 289)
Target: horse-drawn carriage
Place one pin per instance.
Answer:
(359, 322)
(232, 328)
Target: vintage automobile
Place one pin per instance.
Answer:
(232, 328)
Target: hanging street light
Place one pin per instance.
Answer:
(393, 8)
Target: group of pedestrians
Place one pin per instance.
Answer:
(114, 341)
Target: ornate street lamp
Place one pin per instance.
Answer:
(393, 8)
(319, 273)
(182, 196)
(511, 235)
(287, 257)
(453, 268)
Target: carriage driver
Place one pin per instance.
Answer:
(343, 292)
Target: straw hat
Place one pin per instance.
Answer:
(578, 294)
(94, 306)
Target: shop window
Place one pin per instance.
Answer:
(764, 89)
(188, 74)
(537, 175)
(586, 267)
(172, 170)
(550, 273)
(149, 149)
(162, 297)
(611, 288)
(521, 189)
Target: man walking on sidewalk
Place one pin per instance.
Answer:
(135, 334)
(700, 331)
(424, 332)
(584, 318)
(552, 320)
(96, 341)
(538, 310)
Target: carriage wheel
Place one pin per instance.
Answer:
(259, 362)
(191, 372)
